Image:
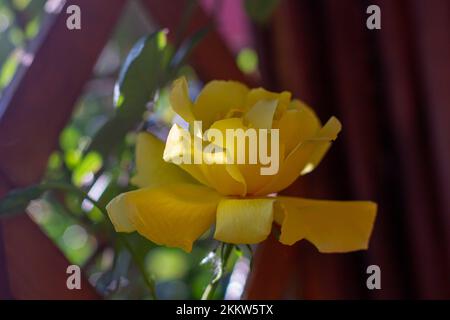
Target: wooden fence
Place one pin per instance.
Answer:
(390, 88)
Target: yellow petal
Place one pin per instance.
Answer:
(260, 116)
(222, 125)
(303, 155)
(297, 104)
(315, 157)
(244, 220)
(250, 173)
(225, 178)
(180, 101)
(332, 226)
(177, 147)
(235, 172)
(253, 177)
(151, 169)
(173, 215)
(259, 94)
(297, 125)
(217, 99)
(120, 213)
(322, 144)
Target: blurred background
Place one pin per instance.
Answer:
(389, 87)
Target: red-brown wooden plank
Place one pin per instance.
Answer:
(5, 290)
(35, 108)
(272, 273)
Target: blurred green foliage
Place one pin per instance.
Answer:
(247, 60)
(19, 24)
(96, 154)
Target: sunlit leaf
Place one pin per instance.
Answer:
(32, 28)
(247, 60)
(72, 158)
(68, 140)
(54, 161)
(8, 70)
(90, 164)
(21, 4)
(167, 264)
(139, 78)
(16, 36)
(161, 107)
(96, 215)
(210, 258)
(150, 65)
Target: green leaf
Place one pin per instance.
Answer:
(8, 69)
(247, 60)
(17, 200)
(140, 77)
(54, 161)
(91, 163)
(150, 65)
(167, 264)
(142, 68)
(21, 4)
(68, 140)
(260, 10)
(187, 46)
(32, 28)
(16, 36)
(72, 158)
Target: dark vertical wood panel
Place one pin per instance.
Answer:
(432, 25)
(403, 98)
(322, 276)
(353, 69)
(296, 51)
(394, 108)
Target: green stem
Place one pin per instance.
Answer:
(147, 279)
(212, 286)
(70, 188)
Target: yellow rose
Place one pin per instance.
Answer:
(177, 203)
